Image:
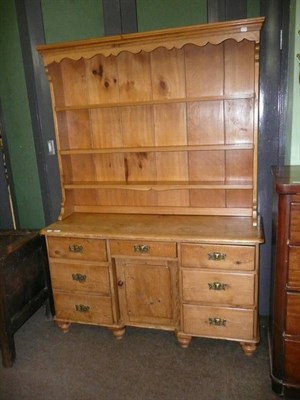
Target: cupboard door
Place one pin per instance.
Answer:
(148, 294)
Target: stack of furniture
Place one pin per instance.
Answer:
(285, 311)
(157, 145)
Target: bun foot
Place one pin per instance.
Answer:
(248, 348)
(118, 332)
(184, 340)
(64, 326)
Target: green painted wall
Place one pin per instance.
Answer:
(17, 121)
(69, 20)
(293, 140)
(159, 14)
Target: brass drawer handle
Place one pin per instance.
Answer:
(82, 308)
(217, 286)
(217, 321)
(75, 248)
(141, 248)
(216, 256)
(79, 277)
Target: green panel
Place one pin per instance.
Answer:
(253, 8)
(70, 20)
(295, 83)
(17, 121)
(160, 14)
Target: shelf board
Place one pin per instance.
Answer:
(147, 149)
(161, 186)
(237, 96)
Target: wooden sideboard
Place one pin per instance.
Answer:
(285, 311)
(157, 138)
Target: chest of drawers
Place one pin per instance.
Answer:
(219, 292)
(80, 280)
(285, 311)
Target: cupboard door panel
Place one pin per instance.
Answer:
(147, 292)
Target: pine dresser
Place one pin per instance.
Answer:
(157, 135)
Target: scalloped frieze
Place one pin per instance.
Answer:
(199, 35)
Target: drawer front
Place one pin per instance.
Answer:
(292, 362)
(82, 308)
(77, 248)
(295, 223)
(218, 322)
(80, 277)
(218, 287)
(293, 314)
(143, 248)
(294, 267)
(218, 257)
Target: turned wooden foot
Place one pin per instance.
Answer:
(64, 326)
(118, 332)
(248, 348)
(184, 340)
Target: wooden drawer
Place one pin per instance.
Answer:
(218, 257)
(143, 248)
(83, 308)
(77, 248)
(87, 277)
(291, 361)
(294, 267)
(295, 223)
(293, 314)
(218, 287)
(218, 322)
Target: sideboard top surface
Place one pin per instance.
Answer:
(207, 229)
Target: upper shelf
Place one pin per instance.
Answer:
(199, 35)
